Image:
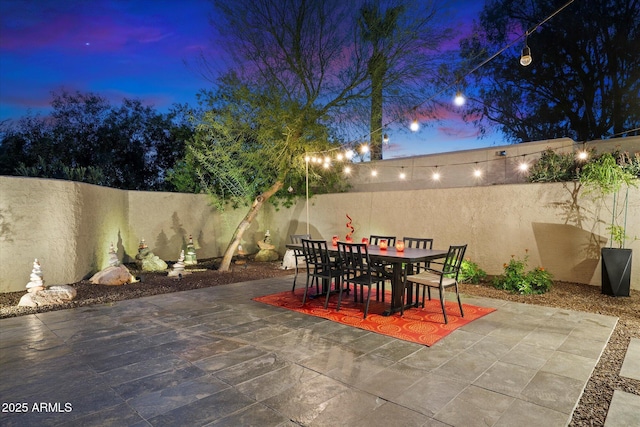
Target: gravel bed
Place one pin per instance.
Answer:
(592, 407)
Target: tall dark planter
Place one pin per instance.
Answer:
(616, 271)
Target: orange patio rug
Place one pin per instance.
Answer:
(419, 325)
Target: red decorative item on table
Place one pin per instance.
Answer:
(400, 246)
(365, 241)
(349, 234)
(334, 241)
(383, 244)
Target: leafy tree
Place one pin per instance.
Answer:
(583, 82)
(301, 68)
(86, 139)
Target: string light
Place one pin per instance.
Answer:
(459, 100)
(347, 170)
(436, 175)
(364, 149)
(374, 173)
(415, 126)
(402, 174)
(477, 172)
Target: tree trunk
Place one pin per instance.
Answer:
(246, 223)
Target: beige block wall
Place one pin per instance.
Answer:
(69, 226)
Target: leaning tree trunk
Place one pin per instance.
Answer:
(246, 223)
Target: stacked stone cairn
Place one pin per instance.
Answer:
(115, 274)
(37, 294)
(178, 268)
(267, 251)
(190, 258)
(147, 260)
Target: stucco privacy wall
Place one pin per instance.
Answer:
(69, 226)
(498, 164)
(548, 220)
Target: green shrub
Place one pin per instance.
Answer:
(516, 279)
(470, 272)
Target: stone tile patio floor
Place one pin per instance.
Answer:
(214, 357)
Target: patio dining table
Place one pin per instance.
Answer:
(397, 259)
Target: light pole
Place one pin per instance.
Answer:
(306, 161)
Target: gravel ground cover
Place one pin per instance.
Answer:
(594, 403)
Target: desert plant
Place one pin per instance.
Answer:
(470, 272)
(517, 279)
(603, 177)
(554, 167)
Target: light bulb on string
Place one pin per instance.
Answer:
(402, 174)
(364, 148)
(374, 173)
(477, 172)
(347, 170)
(385, 139)
(436, 175)
(415, 126)
(459, 100)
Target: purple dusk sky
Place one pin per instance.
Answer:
(142, 49)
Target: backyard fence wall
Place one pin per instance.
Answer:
(69, 226)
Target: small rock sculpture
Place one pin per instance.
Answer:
(178, 268)
(36, 282)
(38, 295)
(113, 256)
(147, 260)
(115, 274)
(267, 250)
(190, 257)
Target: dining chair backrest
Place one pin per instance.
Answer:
(418, 242)
(375, 240)
(316, 255)
(451, 265)
(296, 239)
(354, 258)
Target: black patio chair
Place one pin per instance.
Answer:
(297, 253)
(358, 270)
(320, 266)
(440, 279)
(383, 268)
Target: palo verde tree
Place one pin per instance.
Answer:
(300, 69)
(294, 73)
(583, 82)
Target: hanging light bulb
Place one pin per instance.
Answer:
(525, 57)
(290, 189)
(402, 174)
(349, 154)
(347, 170)
(374, 173)
(364, 148)
(385, 138)
(414, 125)
(436, 175)
(459, 99)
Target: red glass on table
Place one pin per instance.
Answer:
(365, 241)
(334, 241)
(400, 246)
(383, 244)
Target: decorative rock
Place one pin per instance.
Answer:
(190, 257)
(113, 256)
(113, 276)
(58, 294)
(267, 251)
(147, 260)
(178, 267)
(36, 283)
